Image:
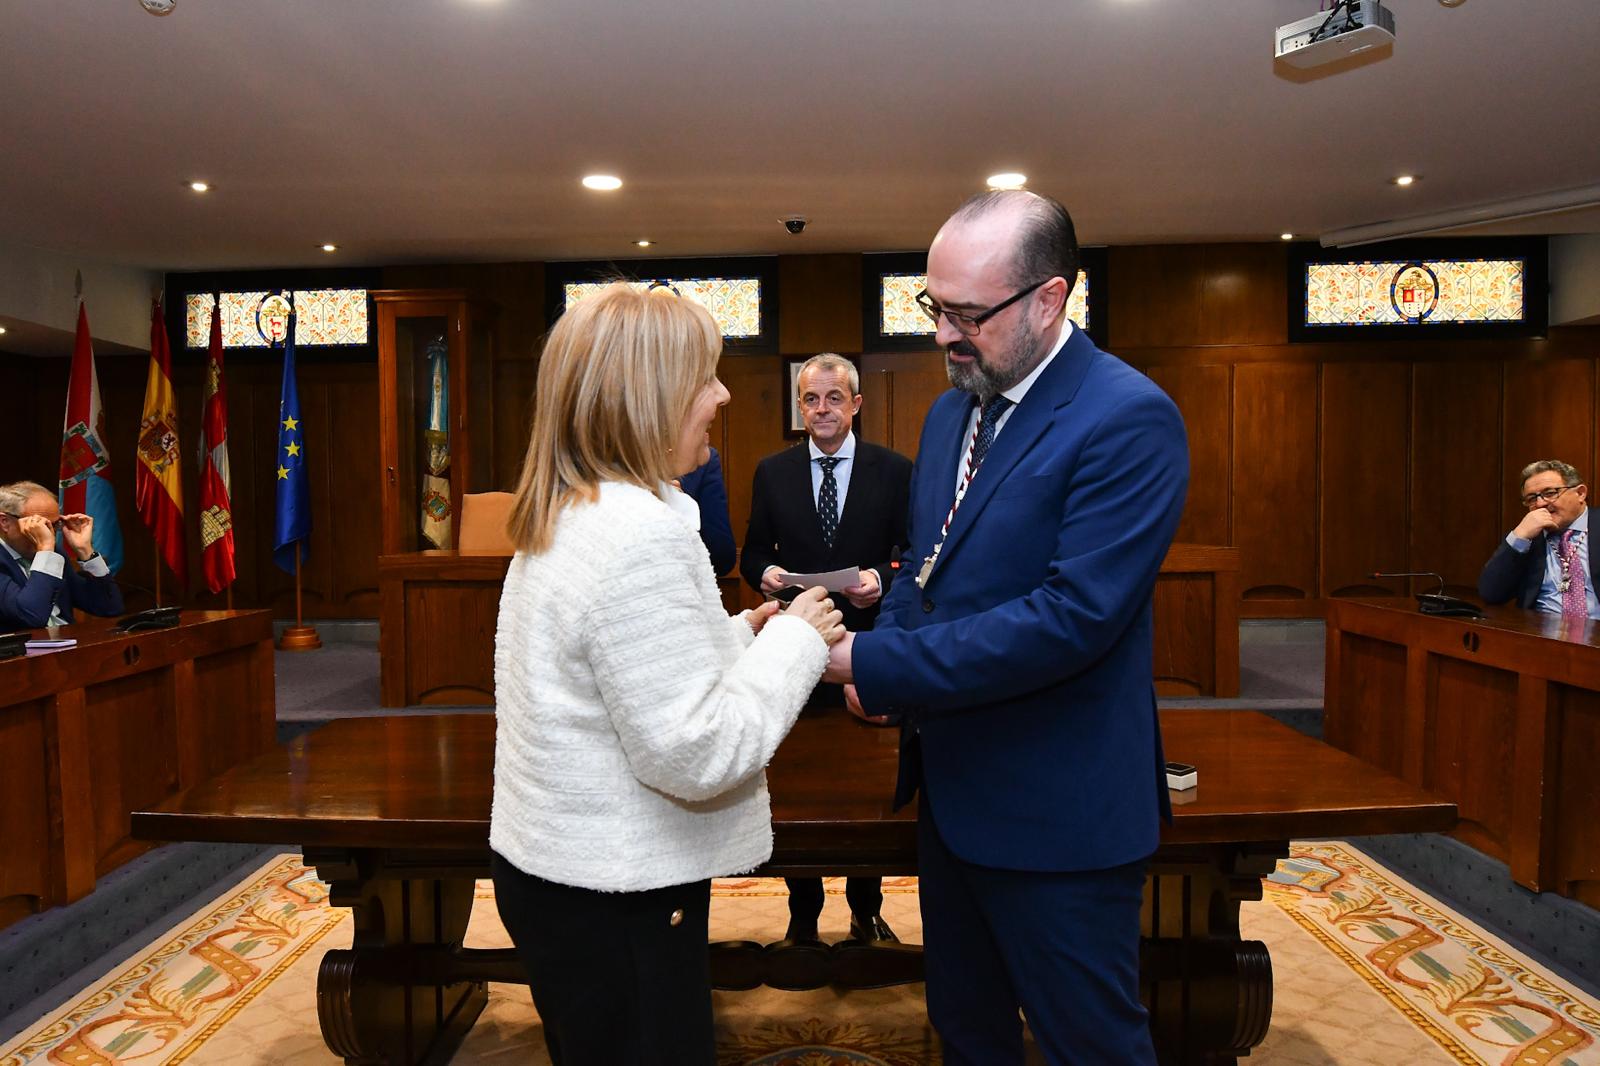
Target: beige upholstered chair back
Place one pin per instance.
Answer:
(483, 522)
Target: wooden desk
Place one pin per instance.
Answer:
(88, 734)
(394, 813)
(436, 633)
(1500, 716)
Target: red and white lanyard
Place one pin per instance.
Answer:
(961, 494)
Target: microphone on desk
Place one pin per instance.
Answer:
(1436, 602)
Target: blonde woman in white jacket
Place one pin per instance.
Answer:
(634, 716)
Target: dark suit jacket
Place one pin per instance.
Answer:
(785, 530)
(704, 486)
(25, 599)
(1023, 670)
(1512, 574)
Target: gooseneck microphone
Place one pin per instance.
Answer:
(1435, 602)
(1413, 573)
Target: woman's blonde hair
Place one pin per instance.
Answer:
(619, 374)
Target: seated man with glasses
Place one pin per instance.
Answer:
(37, 587)
(1545, 562)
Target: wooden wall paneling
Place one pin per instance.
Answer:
(819, 304)
(351, 518)
(1154, 295)
(513, 418)
(25, 801)
(916, 379)
(1472, 712)
(462, 617)
(1363, 492)
(1243, 293)
(1202, 394)
(1456, 494)
(1549, 414)
(751, 428)
(1274, 480)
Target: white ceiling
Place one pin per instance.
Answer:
(453, 130)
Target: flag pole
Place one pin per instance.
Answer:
(299, 637)
(157, 551)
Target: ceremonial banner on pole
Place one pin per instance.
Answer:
(293, 526)
(158, 489)
(436, 482)
(216, 484)
(85, 460)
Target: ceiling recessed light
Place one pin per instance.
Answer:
(1009, 180)
(644, 244)
(1406, 179)
(1286, 236)
(2, 329)
(330, 247)
(200, 186)
(602, 182)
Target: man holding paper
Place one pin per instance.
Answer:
(835, 503)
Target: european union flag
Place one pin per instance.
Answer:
(293, 526)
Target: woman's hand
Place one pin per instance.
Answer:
(759, 616)
(815, 608)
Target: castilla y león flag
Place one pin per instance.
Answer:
(158, 491)
(216, 506)
(85, 460)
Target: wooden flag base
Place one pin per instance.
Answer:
(299, 638)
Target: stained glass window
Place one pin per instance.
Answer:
(322, 316)
(735, 303)
(1414, 292)
(899, 315)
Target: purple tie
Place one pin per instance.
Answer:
(1575, 597)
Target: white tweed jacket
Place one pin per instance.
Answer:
(634, 717)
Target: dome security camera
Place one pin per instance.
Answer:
(795, 224)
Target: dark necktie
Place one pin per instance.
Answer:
(828, 499)
(988, 417)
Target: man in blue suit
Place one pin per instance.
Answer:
(1545, 563)
(37, 586)
(1047, 488)
(704, 486)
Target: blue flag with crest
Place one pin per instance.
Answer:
(292, 529)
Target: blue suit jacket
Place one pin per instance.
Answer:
(25, 599)
(704, 485)
(1510, 573)
(1023, 670)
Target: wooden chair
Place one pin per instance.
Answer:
(483, 523)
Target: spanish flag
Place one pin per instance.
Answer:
(158, 491)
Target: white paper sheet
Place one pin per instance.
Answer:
(833, 581)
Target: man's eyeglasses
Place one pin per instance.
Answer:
(55, 523)
(969, 325)
(1534, 499)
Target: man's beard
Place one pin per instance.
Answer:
(985, 377)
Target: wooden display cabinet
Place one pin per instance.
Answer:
(408, 321)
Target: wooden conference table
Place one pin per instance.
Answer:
(120, 721)
(394, 814)
(1500, 715)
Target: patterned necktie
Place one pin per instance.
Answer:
(988, 417)
(828, 499)
(1575, 597)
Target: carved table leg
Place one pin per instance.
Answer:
(1209, 992)
(384, 1000)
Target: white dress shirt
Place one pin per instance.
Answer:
(841, 470)
(1015, 394)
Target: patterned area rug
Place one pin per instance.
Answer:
(1367, 970)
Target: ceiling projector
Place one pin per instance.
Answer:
(1351, 27)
